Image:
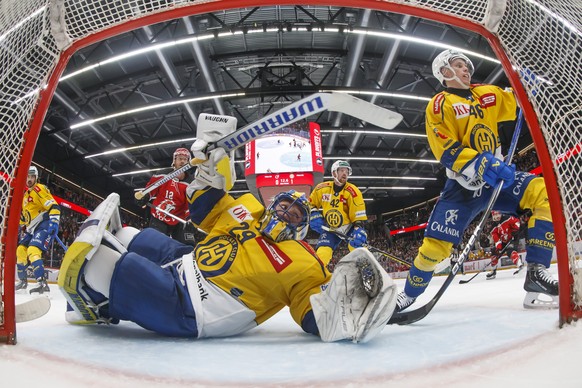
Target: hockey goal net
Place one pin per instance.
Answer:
(37, 38)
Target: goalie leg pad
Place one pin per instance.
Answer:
(358, 301)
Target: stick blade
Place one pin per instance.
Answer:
(32, 309)
(364, 110)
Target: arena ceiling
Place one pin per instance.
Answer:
(149, 85)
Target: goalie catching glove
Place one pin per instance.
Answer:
(357, 302)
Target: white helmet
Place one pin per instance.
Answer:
(444, 59)
(278, 229)
(341, 163)
(33, 171)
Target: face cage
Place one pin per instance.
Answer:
(278, 229)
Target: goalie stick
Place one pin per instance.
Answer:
(345, 237)
(299, 110)
(407, 317)
(32, 309)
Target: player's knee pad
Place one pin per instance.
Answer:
(431, 253)
(22, 255)
(358, 301)
(99, 270)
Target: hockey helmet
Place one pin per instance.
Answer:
(33, 171)
(496, 215)
(279, 224)
(444, 59)
(183, 152)
(341, 163)
(180, 152)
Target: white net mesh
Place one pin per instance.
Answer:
(542, 36)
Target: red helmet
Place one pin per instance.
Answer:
(182, 151)
(496, 215)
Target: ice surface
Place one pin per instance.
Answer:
(478, 335)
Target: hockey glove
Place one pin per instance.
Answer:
(143, 201)
(217, 171)
(317, 222)
(357, 302)
(493, 170)
(53, 226)
(358, 237)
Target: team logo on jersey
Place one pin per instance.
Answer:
(240, 213)
(482, 139)
(461, 110)
(326, 197)
(451, 216)
(334, 218)
(487, 100)
(215, 256)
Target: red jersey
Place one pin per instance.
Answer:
(171, 197)
(503, 232)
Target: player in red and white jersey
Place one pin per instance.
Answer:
(507, 232)
(171, 198)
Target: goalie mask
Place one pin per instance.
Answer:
(287, 217)
(444, 59)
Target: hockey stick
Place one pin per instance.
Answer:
(488, 264)
(407, 317)
(299, 110)
(61, 243)
(345, 237)
(32, 309)
(180, 220)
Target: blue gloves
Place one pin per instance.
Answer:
(53, 227)
(317, 222)
(493, 170)
(358, 237)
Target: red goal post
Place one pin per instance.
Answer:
(38, 37)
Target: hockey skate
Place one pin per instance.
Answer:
(491, 275)
(539, 281)
(21, 285)
(42, 287)
(403, 302)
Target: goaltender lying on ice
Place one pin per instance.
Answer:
(248, 268)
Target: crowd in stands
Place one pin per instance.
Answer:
(403, 246)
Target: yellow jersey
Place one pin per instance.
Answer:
(265, 276)
(460, 127)
(342, 208)
(38, 205)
